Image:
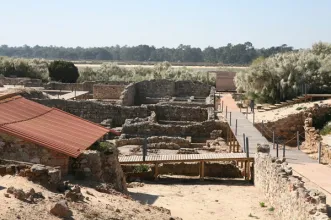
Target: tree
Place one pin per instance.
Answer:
(63, 71)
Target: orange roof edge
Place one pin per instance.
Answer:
(46, 145)
(109, 130)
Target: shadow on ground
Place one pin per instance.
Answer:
(144, 198)
(2, 187)
(175, 180)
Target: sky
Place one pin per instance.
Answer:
(199, 23)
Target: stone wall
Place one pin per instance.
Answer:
(179, 113)
(128, 95)
(100, 166)
(85, 86)
(28, 82)
(313, 140)
(104, 91)
(169, 88)
(12, 148)
(221, 170)
(199, 129)
(181, 142)
(285, 192)
(45, 175)
(97, 111)
(286, 128)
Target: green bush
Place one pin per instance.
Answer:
(141, 168)
(282, 76)
(63, 71)
(103, 146)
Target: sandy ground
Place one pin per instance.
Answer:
(212, 200)
(276, 114)
(99, 205)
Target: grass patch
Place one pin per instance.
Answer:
(326, 130)
(262, 204)
(271, 209)
(301, 108)
(141, 168)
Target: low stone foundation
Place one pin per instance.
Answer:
(221, 170)
(100, 166)
(285, 192)
(313, 140)
(155, 139)
(12, 148)
(45, 175)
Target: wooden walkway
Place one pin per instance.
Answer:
(201, 158)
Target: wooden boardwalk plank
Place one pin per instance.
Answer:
(183, 157)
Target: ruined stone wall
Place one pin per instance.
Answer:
(85, 86)
(104, 91)
(181, 142)
(28, 82)
(313, 140)
(100, 166)
(169, 88)
(97, 111)
(46, 175)
(221, 170)
(179, 113)
(199, 129)
(286, 128)
(285, 192)
(128, 95)
(12, 148)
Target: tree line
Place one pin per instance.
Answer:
(238, 54)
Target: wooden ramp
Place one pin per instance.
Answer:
(179, 158)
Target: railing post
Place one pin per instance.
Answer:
(144, 149)
(298, 140)
(247, 112)
(284, 150)
(253, 117)
(319, 152)
(244, 142)
(230, 118)
(222, 106)
(236, 126)
(247, 147)
(277, 150)
(273, 139)
(226, 112)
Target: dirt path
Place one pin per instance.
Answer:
(191, 199)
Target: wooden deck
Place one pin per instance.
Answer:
(240, 158)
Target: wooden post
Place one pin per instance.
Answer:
(245, 171)
(222, 106)
(230, 142)
(226, 112)
(273, 139)
(284, 150)
(248, 169)
(319, 152)
(247, 112)
(244, 147)
(253, 117)
(202, 168)
(156, 171)
(230, 118)
(247, 147)
(277, 150)
(236, 126)
(298, 140)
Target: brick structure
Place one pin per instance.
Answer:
(104, 91)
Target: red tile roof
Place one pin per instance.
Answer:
(49, 127)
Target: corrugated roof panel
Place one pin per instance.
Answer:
(52, 128)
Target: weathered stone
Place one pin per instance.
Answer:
(38, 169)
(263, 148)
(61, 209)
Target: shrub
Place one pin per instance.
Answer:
(141, 168)
(63, 71)
(282, 76)
(262, 204)
(103, 146)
